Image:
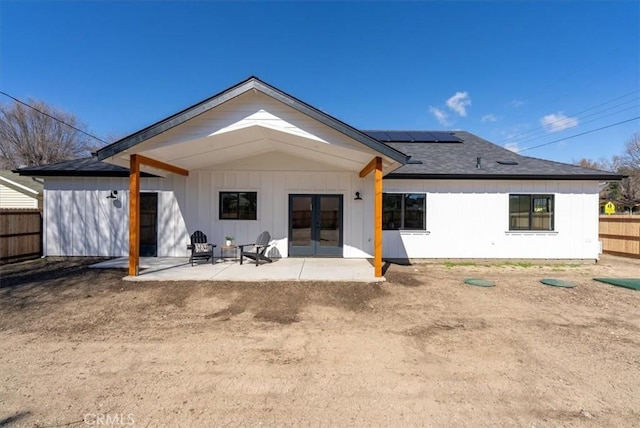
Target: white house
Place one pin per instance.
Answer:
(254, 158)
(19, 192)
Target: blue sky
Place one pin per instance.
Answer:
(517, 73)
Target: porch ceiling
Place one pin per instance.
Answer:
(195, 152)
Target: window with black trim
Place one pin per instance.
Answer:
(531, 212)
(404, 211)
(238, 205)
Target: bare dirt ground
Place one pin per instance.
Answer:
(81, 347)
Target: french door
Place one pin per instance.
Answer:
(315, 225)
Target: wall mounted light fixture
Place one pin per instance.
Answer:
(357, 198)
(113, 195)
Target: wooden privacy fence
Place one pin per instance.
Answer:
(20, 234)
(620, 235)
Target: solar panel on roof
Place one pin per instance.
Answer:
(421, 136)
(399, 136)
(445, 137)
(425, 136)
(378, 135)
(414, 136)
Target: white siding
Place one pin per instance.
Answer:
(469, 219)
(273, 189)
(10, 198)
(80, 220)
(465, 219)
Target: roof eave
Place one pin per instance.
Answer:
(80, 173)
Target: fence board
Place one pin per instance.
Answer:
(20, 234)
(620, 235)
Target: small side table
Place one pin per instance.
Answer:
(226, 249)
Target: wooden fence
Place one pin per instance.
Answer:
(20, 234)
(620, 235)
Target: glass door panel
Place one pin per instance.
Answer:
(301, 213)
(330, 224)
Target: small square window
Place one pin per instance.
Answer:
(238, 205)
(531, 212)
(406, 211)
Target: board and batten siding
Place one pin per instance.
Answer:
(10, 198)
(80, 220)
(470, 219)
(465, 219)
(273, 189)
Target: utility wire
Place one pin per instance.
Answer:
(578, 135)
(543, 128)
(53, 117)
(544, 133)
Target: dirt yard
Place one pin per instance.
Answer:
(81, 347)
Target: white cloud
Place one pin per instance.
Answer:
(517, 103)
(440, 116)
(513, 147)
(557, 122)
(489, 118)
(459, 103)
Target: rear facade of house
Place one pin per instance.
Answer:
(259, 159)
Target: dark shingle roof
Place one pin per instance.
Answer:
(86, 167)
(460, 160)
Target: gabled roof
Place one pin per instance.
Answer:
(86, 167)
(459, 160)
(26, 185)
(252, 83)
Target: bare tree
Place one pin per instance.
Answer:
(588, 163)
(631, 154)
(29, 137)
(614, 190)
(630, 165)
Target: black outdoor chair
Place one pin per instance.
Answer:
(257, 250)
(200, 248)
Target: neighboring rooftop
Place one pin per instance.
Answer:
(12, 179)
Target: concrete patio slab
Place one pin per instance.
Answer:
(285, 269)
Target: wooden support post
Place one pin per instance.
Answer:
(376, 166)
(377, 223)
(134, 204)
(134, 215)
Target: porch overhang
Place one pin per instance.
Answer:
(113, 152)
(222, 147)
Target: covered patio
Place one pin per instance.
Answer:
(314, 182)
(284, 269)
